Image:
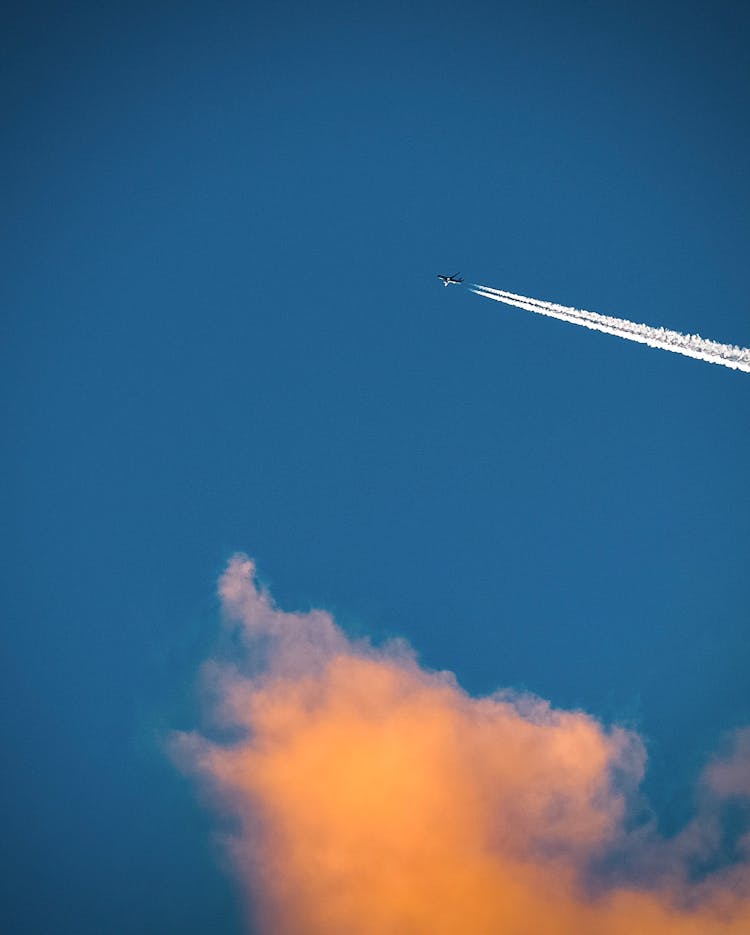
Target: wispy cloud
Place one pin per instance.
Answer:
(370, 795)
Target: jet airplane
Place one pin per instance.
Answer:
(453, 280)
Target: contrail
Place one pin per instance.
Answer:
(691, 345)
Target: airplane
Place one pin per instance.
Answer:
(454, 280)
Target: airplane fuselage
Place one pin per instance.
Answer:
(450, 280)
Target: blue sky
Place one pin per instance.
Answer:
(222, 331)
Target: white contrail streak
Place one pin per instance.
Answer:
(691, 345)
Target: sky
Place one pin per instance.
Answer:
(223, 336)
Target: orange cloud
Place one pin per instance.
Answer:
(371, 797)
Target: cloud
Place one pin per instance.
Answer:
(729, 776)
(369, 796)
